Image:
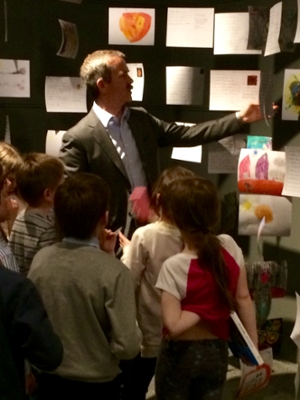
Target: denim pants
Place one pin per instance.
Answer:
(191, 369)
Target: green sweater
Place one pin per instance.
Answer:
(89, 298)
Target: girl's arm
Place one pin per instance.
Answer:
(245, 306)
(135, 256)
(175, 320)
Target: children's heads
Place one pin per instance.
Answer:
(160, 200)
(38, 177)
(80, 203)
(194, 204)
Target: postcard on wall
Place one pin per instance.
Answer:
(272, 45)
(297, 35)
(69, 41)
(233, 90)
(291, 95)
(190, 27)
(14, 78)
(190, 154)
(53, 142)
(185, 85)
(259, 142)
(223, 155)
(65, 94)
(131, 26)
(291, 185)
(136, 72)
(261, 171)
(231, 34)
(276, 210)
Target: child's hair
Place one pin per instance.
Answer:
(159, 201)
(37, 173)
(195, 209)
(10, 158)
(79, 204)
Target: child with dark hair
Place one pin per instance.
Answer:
(37, 179)
(88, 295)
(25, 331)
(200, 286)
(150, 246)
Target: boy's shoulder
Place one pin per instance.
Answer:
(35, 217)
(89, 257)
(156, 228)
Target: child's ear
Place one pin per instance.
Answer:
(48, 195)
(104, 219)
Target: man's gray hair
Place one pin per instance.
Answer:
(97, 65)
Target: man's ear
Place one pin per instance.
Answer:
(101, 84)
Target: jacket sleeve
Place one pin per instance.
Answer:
(121, 310)
(32, 330)
(201, 133)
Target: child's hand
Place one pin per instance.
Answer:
(107, 241)
(123, 240)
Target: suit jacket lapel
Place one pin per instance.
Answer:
(102, 138)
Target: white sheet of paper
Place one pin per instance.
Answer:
(191, 154)
(291, 186)
(223, 155)
(264, 165)
(297, 35)
(277, 211)
(190, 27)
(136, 72)
(291, 95)
(272, 45)
(53, 142)
(231, 34)
(133, 33)
(295, 335)
(233, 90)
(65, 94)
(185, 85)
(14, 78)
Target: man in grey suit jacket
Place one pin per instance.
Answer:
(119, 143)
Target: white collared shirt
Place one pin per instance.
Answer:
(120, 134)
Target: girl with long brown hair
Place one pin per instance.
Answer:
(200, 286)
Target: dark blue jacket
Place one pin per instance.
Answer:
(25, 332)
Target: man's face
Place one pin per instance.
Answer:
(118, 90)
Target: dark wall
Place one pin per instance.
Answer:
(34, 34)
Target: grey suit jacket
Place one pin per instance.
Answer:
(87, 147)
